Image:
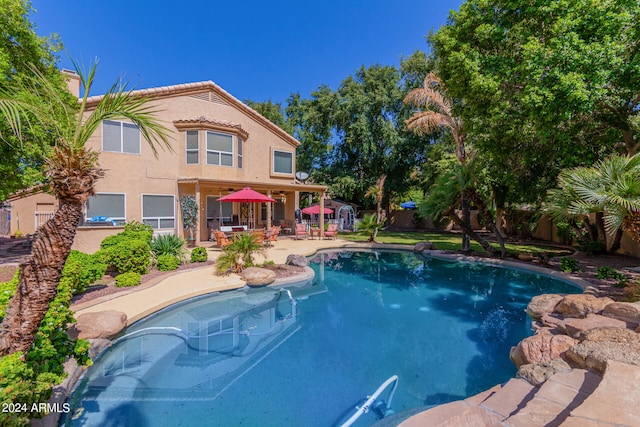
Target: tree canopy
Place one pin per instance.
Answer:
(21, 48)
(542, 86)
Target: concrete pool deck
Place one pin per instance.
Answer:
(575, 399)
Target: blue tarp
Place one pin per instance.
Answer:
(408, 205)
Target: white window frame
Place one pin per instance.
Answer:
(191, 150)
(121, 151)
(273, 162)
(207, 150)
(240, 153)
(119, 219)
(158, 218)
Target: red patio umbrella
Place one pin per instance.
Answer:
(315, 210)
(246, 195)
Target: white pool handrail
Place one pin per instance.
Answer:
(371, 399)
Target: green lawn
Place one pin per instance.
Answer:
(449, 241)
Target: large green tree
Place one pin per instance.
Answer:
(542, 85)
(72, 170)
(21, 160)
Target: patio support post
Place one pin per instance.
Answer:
(200, 215)
(269, 207)
(321, 215)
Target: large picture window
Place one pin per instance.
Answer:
(111, 206)
(193, 147)
(158, 211)
(119, 137)
(282, 162)
(219, 149)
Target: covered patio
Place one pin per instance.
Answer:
(213, 213)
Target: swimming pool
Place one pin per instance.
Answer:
(307, 354)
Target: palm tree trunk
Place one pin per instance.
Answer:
(483, 210)
(39, 277)
(466, 219)
(483, 242)
(617, 241)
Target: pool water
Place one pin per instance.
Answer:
(308, 354)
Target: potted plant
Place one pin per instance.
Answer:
(189, 210)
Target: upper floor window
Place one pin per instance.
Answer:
(219, 149)
(120, 137)
(240, 144)
(282, 162)
(193, 147)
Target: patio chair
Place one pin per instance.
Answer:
(332, 231)
(301, 230)
(221, 239)
(258, 236)
(272, 233)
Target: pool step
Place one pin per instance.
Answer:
(486, 409)
(555, 399)
(514, 404)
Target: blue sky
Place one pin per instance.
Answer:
(254, 50)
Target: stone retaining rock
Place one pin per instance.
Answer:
(102, 324)
(424, 246)
(626, 311)
(579, 305)
(574, 326)
(256, 276)
(539, 373)
(601, 344)
(542, 304)
(540, 348)
(297, 260)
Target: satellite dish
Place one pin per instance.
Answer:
(302, 176)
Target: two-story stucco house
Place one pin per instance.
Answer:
(220, 145)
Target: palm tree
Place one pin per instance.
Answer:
(611, 188)
(72, 171)
(437, 113)
(377, 191)
(446, 194)
(370, 224)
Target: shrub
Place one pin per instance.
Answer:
(128, 279)
(238, 254)
(29, 379)
(591, 247)
(128, 256)
(199, 254)
(612, 273)
(167, 262)
(7, 290)
(569, 265)
(168, 244)
(83, 269)
(132, 231)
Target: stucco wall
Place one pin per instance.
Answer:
(23, 211)
(88, 238)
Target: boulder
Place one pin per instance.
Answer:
(540, 348)
(539, 373)
(542, 304)
(574, 326)
(102, 324)
(297, 260)
(424, 246)
(597, 346)
(579, 305)
(626, 311)
(256, 276)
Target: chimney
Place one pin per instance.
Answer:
(73, 82)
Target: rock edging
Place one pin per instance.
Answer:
(580, 331)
